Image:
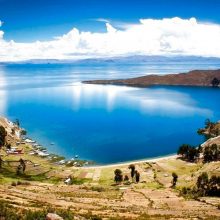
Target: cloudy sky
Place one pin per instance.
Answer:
(73, 29)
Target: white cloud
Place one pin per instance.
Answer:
(101, 20)
(174, 36)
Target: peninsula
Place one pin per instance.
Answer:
(192, 78)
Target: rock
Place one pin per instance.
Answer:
(187, 179)
(52, 216)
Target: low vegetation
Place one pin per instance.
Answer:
(211, 129)
(204, 186)
(207, 153)
(10, 212)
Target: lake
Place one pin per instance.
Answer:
(106, 124)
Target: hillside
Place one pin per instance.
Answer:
(93, 193)
(192, 78)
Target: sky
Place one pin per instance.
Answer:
(96, 28)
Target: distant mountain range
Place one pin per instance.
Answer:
(139, 59)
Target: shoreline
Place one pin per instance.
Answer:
(198, 78)
(149, 160)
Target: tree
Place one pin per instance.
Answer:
(132, 168)
(202, 182)
(183, 150)
(118, 176)
(209, 187)
(23, 132)
(214, 186)
(17, 122)
(211, 153)
(193, 154)
(215, 82)
(174, 180)
(137, 176)
(188, 152)
(3, 135)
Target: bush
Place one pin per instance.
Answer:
(118, 176)
(14, 183)
(98, 188)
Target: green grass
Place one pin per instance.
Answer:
(9, 212)
(107, 176)
(153, 185)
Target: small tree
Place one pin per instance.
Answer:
(132, 168)
(137, 176)
(118, 176)
(203, 182)
(126, 178)
(174, 180)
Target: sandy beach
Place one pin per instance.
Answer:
(150, 160)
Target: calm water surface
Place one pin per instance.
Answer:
(106, 124)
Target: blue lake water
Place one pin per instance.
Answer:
(106, 124)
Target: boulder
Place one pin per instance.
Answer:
(52, 216)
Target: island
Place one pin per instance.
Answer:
(206, 78)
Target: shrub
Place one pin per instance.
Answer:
(14, 183)
(118, 176)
